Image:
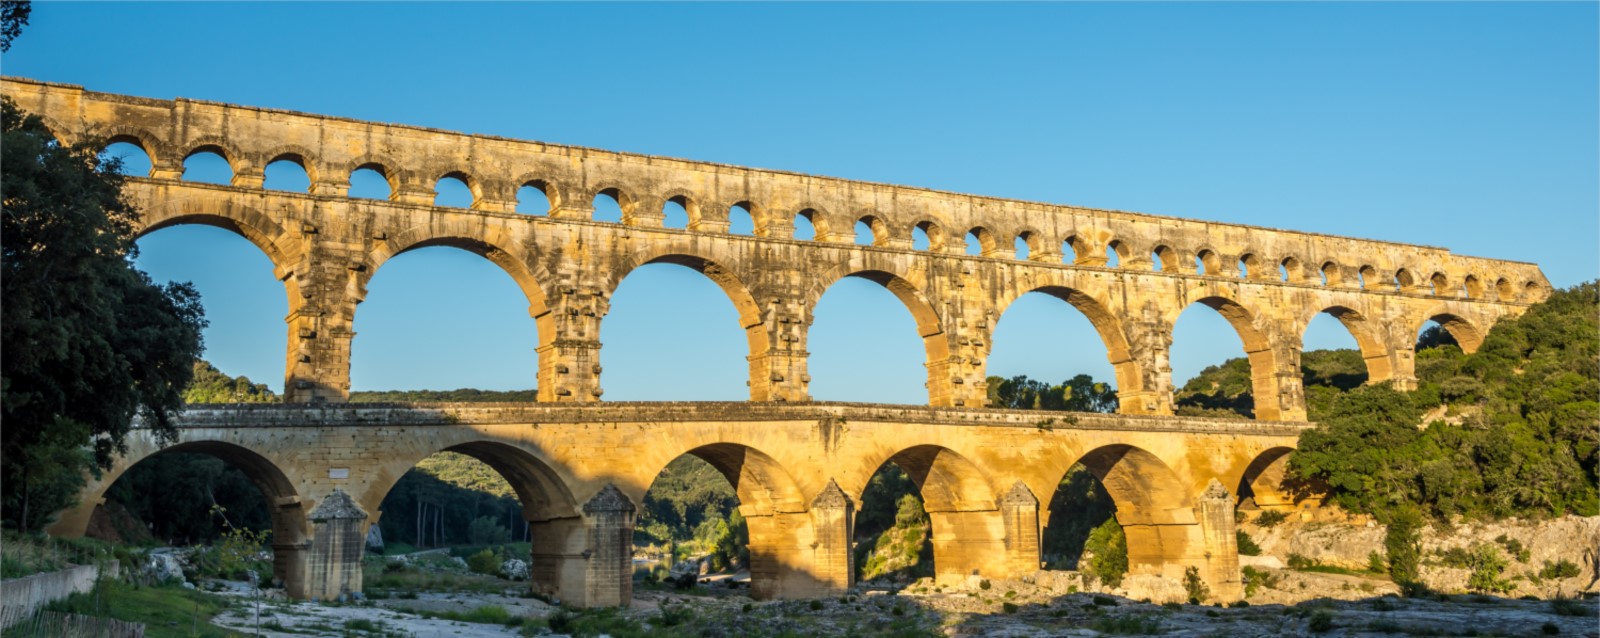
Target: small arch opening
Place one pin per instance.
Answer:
(675, 212)
(865, 236)
(608, 206)
(207, 166)
(1438, 284)
(1472, 288)
(1206, 262)
(920, 240)
(1365, 275)
(1071, 248)
(286, 174)
(533, 198)
(133, 159)
(1331, 274)
(370, 181)
(1289, 270)
(805, 225)
(1164, 259)
(1114, 250)
(452, 191)
(1503, 290)
(980, 242)
(1249, 266)
(741, 219)
(1020, 245)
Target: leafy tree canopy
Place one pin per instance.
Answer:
(89, 340)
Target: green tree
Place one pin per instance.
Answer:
(13, 16)
(210, 385)
(90, 342)
(1403, 544)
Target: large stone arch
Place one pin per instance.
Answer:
(1368, 335)
(1130, 376)
(1264, 351)
(1153, 505)
(679, 252)
(1265, 481)
(543, 487)
(491, 243)
(930, 327)
(291, 531)
(1466, 333)
(969, 534)
(774, 508)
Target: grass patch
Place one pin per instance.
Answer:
(166, 611)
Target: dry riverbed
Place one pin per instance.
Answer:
(1005, 608)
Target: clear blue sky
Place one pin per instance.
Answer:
(1467, 126)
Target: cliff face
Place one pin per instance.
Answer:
(1532, 550)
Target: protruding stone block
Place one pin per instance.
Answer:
(339, 531)
(1215, 512)
(608, 580)
(833, 519)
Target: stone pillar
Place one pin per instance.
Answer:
(319, 322)
(412, 193)
(608, 578)
(167, 168)
(248, 177)
(780, 556)
(330, 185)
(569, 358)
(339, 536)
(1277, 384)
(1221, 572)
(1144, 371)
(957, 379)
(779, 373)
(833, 522)
(1020, 510)
(557, 565)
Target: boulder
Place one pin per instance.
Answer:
(514, 569)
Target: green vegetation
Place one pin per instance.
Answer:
(89, 340)
(1487, 565)
(1194, 586)
(183, 498)
(1108, 550)
(167, 611)
(1078, 394)
(1247, 545)
(1524, 440)
(893, 533)
(25, 554)
(1402, 546)
(210, 385)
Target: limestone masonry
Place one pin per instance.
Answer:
(799, 467)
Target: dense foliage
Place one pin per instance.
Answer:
(210, 385)
(1225, 390)
(1511, 430)
(893, 535)
(1078, 394)
(190, 498)
(89, 340)
(451, 499)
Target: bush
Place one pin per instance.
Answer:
(484, 562)
(1109, 547)
(1009, 608)
(1487, 566)
(1321, 621)
(1255, 579)
(1376, 564)
(1194, 586)
(1247, 545)
(1567, 607)
(1403, 544)
(1550, 629)
(1105, 601)
(1560, 569)
(1271, 518)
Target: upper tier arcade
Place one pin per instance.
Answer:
(326, 246)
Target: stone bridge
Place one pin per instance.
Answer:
(798, 466)
(326, 246)
(581, 471)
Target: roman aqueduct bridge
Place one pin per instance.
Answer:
(580, 465)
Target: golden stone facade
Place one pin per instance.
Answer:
(983, 472)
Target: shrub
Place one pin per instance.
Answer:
(1321, 621)
(984, 584)
(1105, 601)
(1487, 566)
(1247, 545)
(1550, 629)
(816, 605)
(484, 562)
(1255, 579)
(1009, 608)
(1271, 518)
(1560, 569)
(1109, 547)
(1172, 606)
(673, 616)
(1567, 607)
(1194, 586)
(1376, 564)
(1403, 544)
(1297, 561)
(1514, 547)
(561, 622)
